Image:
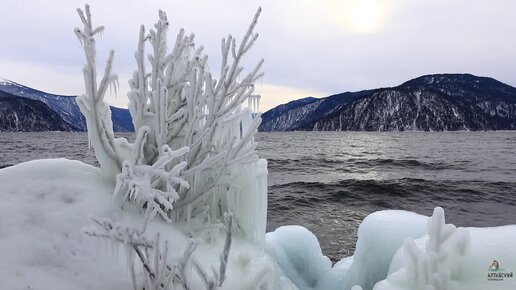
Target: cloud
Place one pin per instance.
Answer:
(48, 78)
(322, 47)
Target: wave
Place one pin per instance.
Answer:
(406, 163)
(393, 193)
(360, 163)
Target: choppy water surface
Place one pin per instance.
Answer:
(329, 181)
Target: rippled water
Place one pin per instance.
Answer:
(329, 181)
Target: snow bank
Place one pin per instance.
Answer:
(489, 244)
(45, 203)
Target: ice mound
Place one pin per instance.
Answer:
(299, 254)
(45, 203)
(454, 258)
(380, 235)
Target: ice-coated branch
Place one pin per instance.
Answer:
(139, 93)
(153, 187)
(224, 132)
(105, 228)
(216, 280)
(158, 274)
(92, 105)
(227, 246)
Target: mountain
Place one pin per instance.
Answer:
(299, 113)
(66, 107)
(443, 102)
(281, 109)
(122, 120)
(21, 115)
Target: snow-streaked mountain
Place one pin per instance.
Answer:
(444, 102)
(66, 107)
(281, 109)
(24, 115)
(296, 114)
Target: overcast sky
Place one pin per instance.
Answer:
(311, 48)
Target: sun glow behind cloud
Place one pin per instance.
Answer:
(357, 16)
(305, 17)
(366, 16)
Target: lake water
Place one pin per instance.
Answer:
(329, 181)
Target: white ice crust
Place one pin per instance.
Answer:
(45, 203)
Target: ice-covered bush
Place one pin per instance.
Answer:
(176, 104)
(194, 159)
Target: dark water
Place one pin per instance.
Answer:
(329, 181)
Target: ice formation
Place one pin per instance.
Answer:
(44, 205)
(380, 235)
(400, 250)
(454, 258)
(298, 253)
(177, 105)
(437, 266)
(194, 160)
